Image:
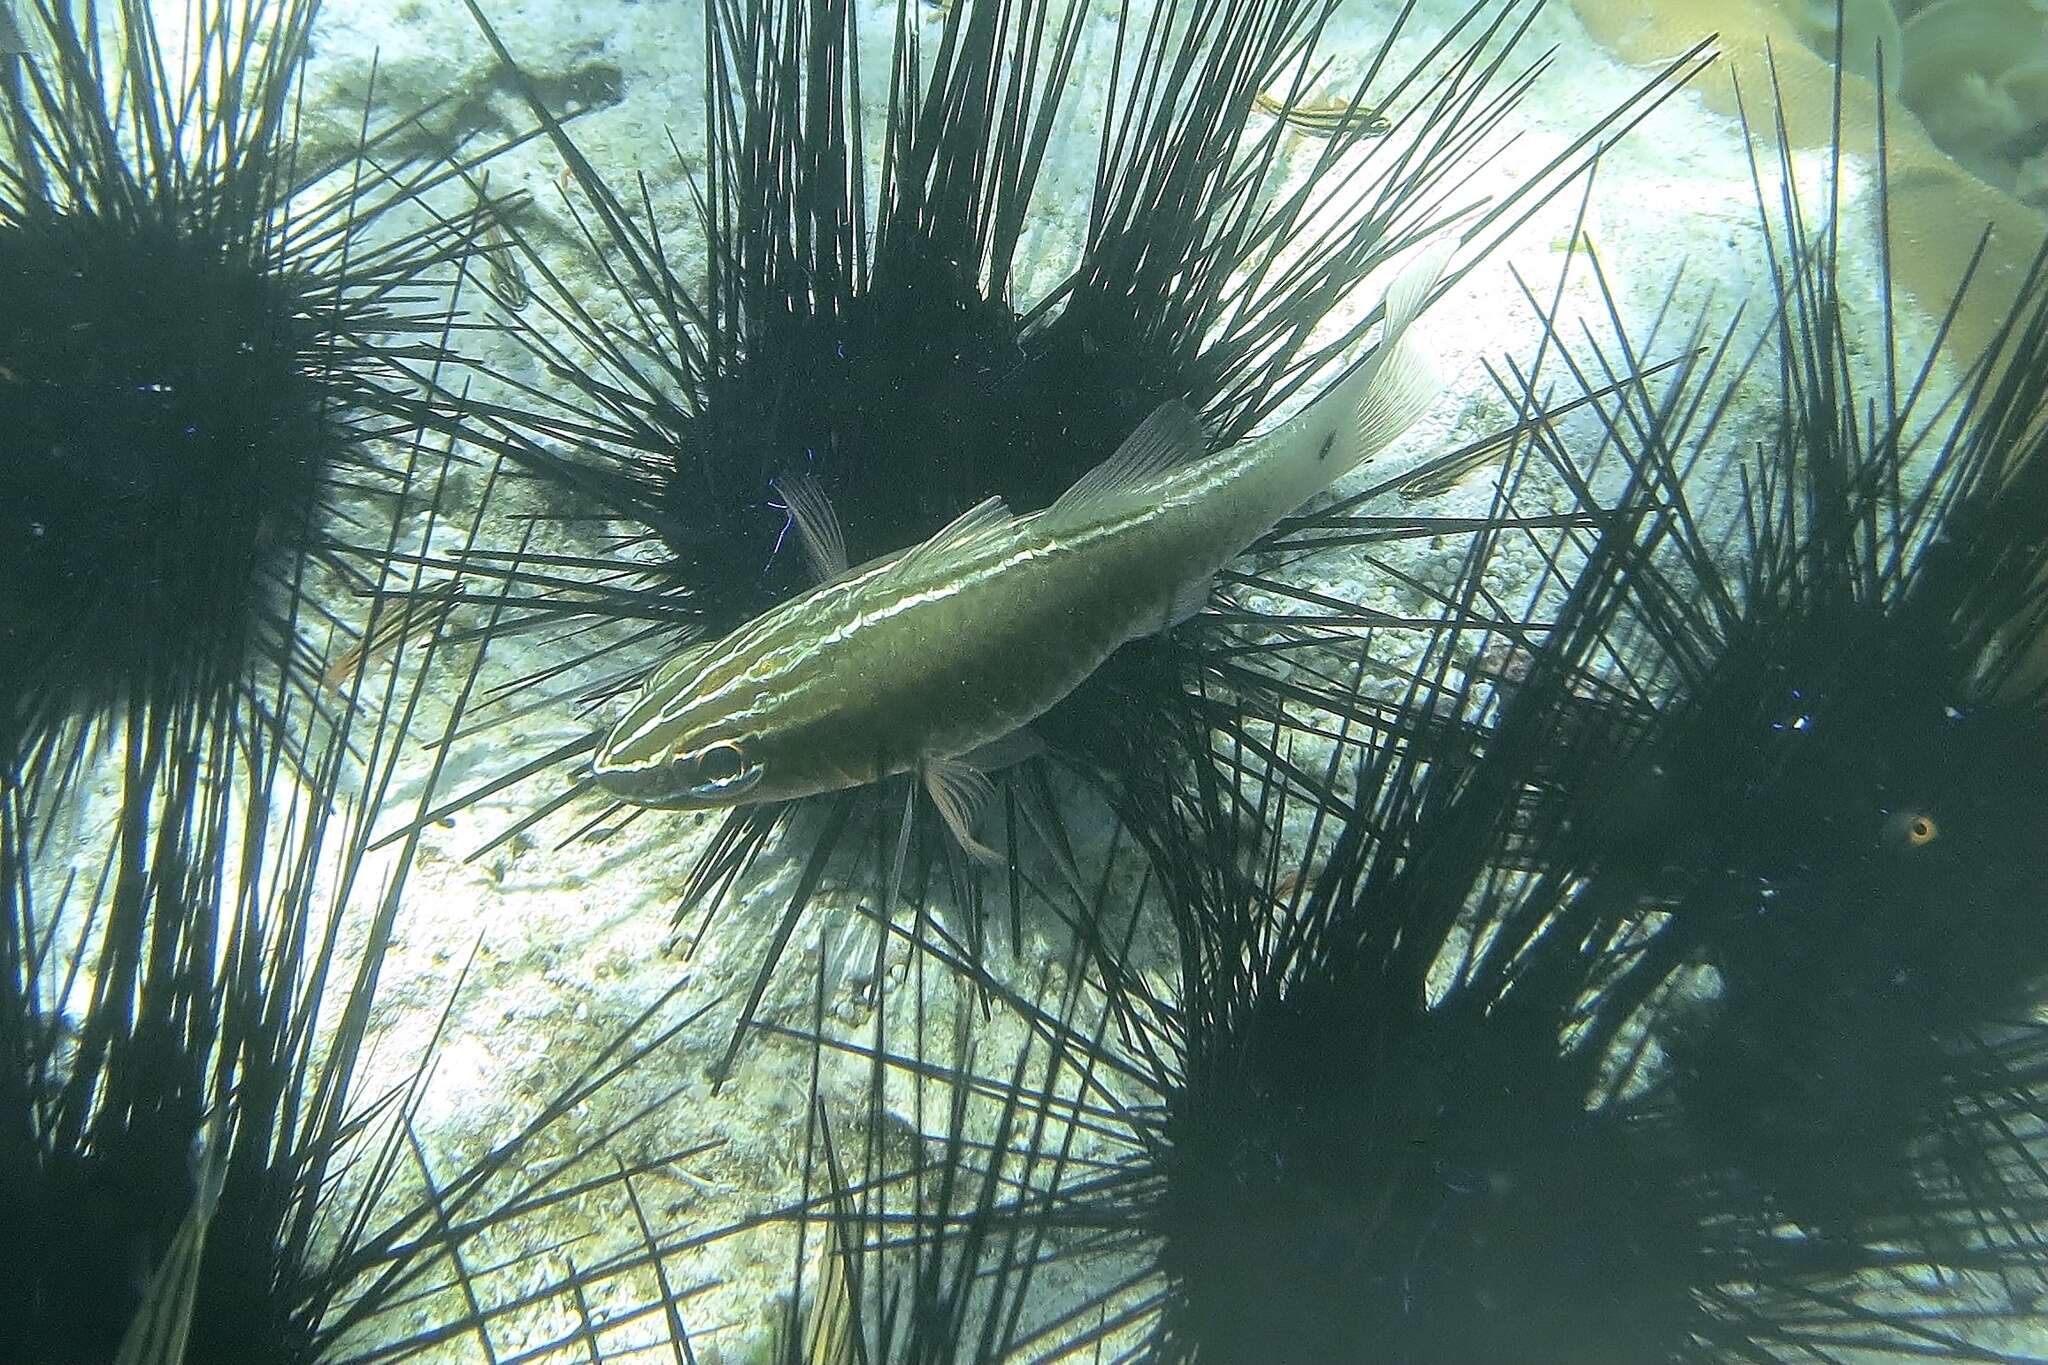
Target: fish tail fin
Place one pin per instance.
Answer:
(1398, 381)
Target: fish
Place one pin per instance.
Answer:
(1325, 117)
(829, 1337)
(501, 256)
(158, 1333)
(936, 659)
(390, 625)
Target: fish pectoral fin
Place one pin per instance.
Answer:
(817, 524)
(1184, 603)
(1172, 436)
(986, 518)
(961, 792)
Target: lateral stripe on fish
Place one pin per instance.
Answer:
(934, 652)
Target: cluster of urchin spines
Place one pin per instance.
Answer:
(1426, 1242)
(215, 375)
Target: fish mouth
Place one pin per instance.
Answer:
(646, 787)
(670, 788)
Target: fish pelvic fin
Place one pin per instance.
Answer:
(817, 524)
(1007, 752)
(961, 792)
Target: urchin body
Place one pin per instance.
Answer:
(159, 444)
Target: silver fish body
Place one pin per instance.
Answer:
(930, 654)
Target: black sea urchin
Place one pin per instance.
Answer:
(195, 359)
(1829, 799)
(195, 374)
(1378, 1117)
(185, 1024)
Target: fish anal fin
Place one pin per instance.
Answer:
(817, 524)
(1170, 437)
(961, 791)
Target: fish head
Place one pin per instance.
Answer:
(680, 744)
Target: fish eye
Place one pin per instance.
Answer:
(1914, 828)
(720, 763)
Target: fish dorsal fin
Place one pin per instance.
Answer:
(817, 524)
(1167, 439)
(986, 518)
